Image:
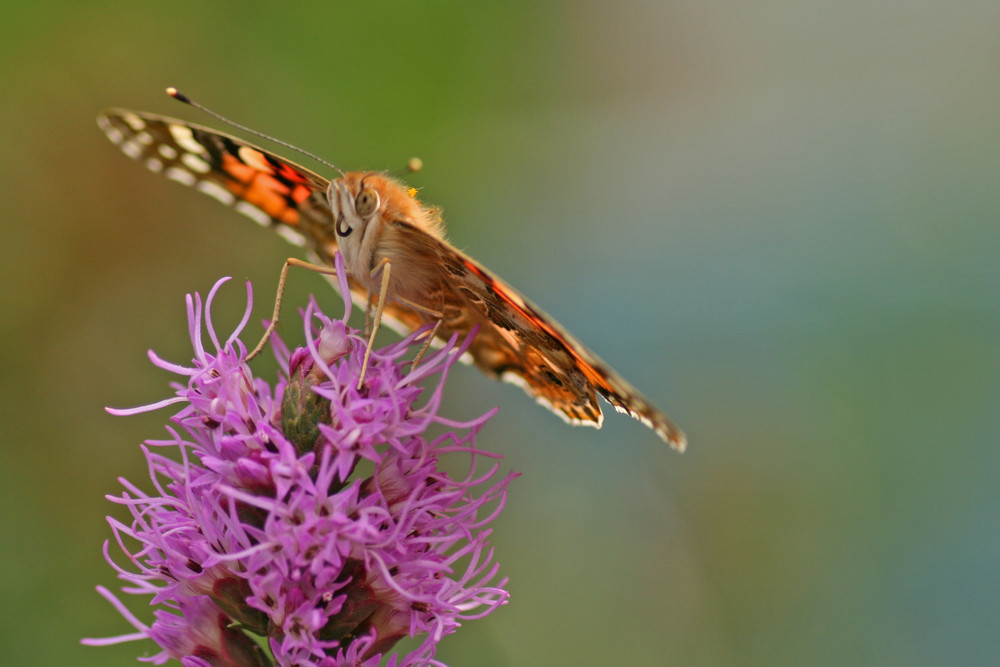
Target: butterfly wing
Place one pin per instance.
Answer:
(519, 343)
(272, 191)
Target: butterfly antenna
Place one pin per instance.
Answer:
(181, 97)
(413, 165)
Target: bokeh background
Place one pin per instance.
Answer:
(778, 219)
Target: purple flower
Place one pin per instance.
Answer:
(312, 517)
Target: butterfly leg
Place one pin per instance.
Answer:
(385, 267)
(436, 315)
(291, 261)
(427, 343)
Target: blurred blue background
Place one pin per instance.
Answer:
(777, 219)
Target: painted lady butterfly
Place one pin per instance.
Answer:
(371, 217)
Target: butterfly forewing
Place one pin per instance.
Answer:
(268, 189)
(272, 191)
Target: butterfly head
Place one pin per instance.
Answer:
(361, 201)
(368, 209)
(356, 202)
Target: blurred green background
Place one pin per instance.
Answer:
(778, 219)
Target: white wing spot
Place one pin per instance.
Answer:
(181, 176)
(153, 164)
(254, 159)
(167, 151)
(513, 378)
(291, 235)
(132, 149)
(134, 121)
(114, 134)
(185, 139)
(253, 213)
(217, 192)
(195, 163)
(144, 138)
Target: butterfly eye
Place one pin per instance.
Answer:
(366, 202)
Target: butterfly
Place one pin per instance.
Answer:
(378, 224)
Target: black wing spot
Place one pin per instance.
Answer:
(454, 266)
(551, 376)
(470, 294)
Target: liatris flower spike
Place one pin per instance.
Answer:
(308, 523)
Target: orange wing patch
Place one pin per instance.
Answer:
(261, 189)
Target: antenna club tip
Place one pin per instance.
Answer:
(178, 95)
(414, 164)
